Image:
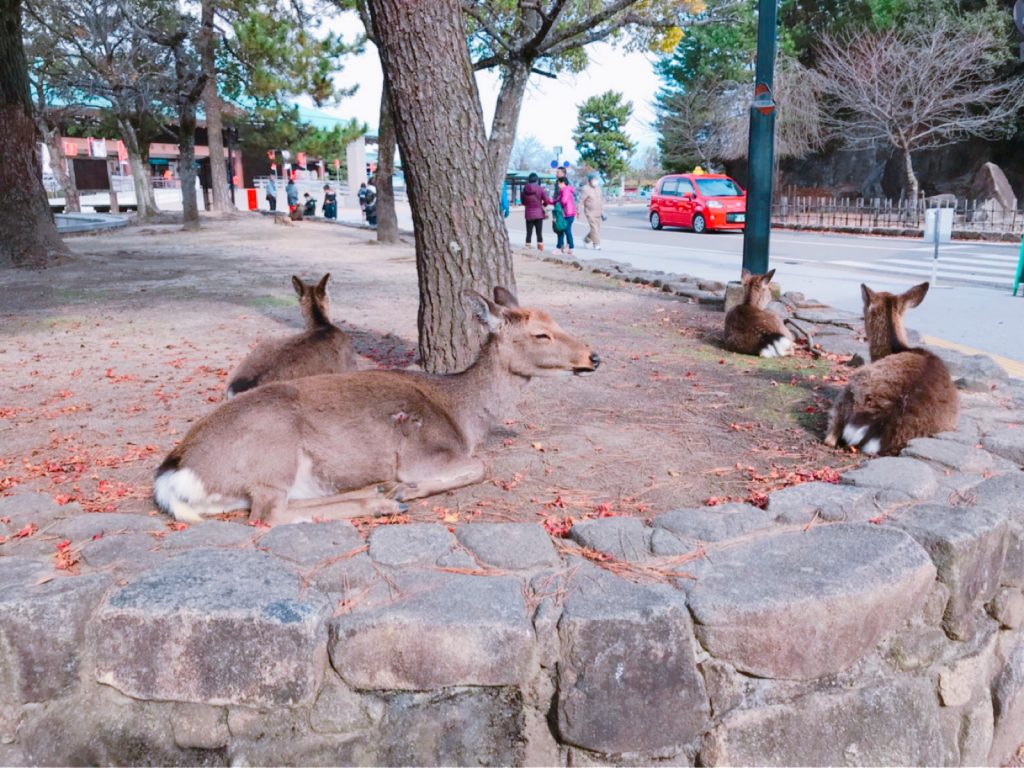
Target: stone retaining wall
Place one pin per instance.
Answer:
(877, 621)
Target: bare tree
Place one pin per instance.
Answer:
(917, 89)
(528, 154)
(28, 235)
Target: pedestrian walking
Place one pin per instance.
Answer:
(370, 209)
(330, 203)
(272, 193)
(534, 199)
(292, 195)
(567, 199)
(592, 203)
(363, 192)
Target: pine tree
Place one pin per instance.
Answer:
(600, 134)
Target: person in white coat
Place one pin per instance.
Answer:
(592, 203)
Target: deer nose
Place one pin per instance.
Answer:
(595, 359)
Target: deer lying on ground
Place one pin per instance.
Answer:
(905, 392)
(750, 329)
(322, 348)
(364, 442)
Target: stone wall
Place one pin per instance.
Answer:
(877, 621)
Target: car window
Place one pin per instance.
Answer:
(719, 188)
(670, 188)
(685, 187)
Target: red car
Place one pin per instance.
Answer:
(701, 202)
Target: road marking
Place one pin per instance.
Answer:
(923, 271)
(948, 267)
(1013, 367)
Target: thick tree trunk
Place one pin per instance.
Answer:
(461, 240)
(506, 118)
(187, 166)
(221, 197)
(59, 165)
(28, 234)
(387, 219)
(144, 197)
(912, 185)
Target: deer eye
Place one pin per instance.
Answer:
(541, 336)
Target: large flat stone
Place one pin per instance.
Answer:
(627, 679)
(43, 616)
(39, 508)
(714, 523)
(830, 316)
(1007, 442)
(1002, 495)
(1008, 704)
(829, 501)
(97, 524)
(216, 627)
(803, 604)
(624, 538)
(211, 533)
(968, 547)
(515, 546)
(312, 543)
(413, 544)
(891, 723)
(899, 474)
(440, 630)
(956, 456)
(971, 372)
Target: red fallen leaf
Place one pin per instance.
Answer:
(559, 527)
(722, 361)
(259, 524)
(97, 536)
(876, 520)
(27, 531)
(63, 498)
(713, 501)
(810, 409)
(177, 526)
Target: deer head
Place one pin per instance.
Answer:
(756, 290)
(883, 318)
(314, 302)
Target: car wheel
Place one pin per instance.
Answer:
(700, 226)
(655, 220)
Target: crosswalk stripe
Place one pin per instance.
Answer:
(945, 265)
(923, 271)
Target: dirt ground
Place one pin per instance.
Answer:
(107, 360)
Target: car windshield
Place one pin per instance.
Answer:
(718, 188)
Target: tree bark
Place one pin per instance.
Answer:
(912, 184)
(506, 118)
(387, 218)
(461, 240)
(144, 197)
(59, 165)
(28, 234)
(186, 164)
(221, 197)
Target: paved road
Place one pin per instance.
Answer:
(971, 308)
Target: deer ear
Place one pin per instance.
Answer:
(298, 285)
(767, 278)
(745, 275)
(913, 297)
(484, 310)
(505, 297)
(321, 288)
(866, 293)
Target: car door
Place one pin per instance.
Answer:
(687, 202)
(668, 208)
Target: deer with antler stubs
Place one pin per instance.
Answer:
(338, 446)
(905, 392)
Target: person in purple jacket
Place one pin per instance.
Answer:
(567, 197)
(534, 199)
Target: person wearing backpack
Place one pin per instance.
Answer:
(534, 199)
(565, 209)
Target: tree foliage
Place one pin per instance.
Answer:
(600, 134)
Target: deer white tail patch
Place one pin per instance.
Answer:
(181, 494)
(779, 347)
(852, 435)
(872, 446)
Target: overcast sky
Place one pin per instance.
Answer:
(550, 107)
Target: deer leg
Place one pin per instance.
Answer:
(340, 507)
(266, 504)
(415, 484)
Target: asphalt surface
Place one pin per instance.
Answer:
(970, 305)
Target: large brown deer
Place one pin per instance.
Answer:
(364, 442)
(750, 329)
(903, 393)
(322, 348)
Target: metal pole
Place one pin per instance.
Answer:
(761, 147)
(231, 165)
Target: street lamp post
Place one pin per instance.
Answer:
(761, 147)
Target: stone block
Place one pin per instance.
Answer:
(975, 373)
(312, 543)
(125, 551)
(43, 615)
(977, 728)
(900, 474)
(476, 726)
(891, 723)
(968, 547)
(1007, 607)
(963, 678)
(799, 504)
(842, 342)
(339, 709)
(1007, 442)
(627, 679)
(92, 524)
(624, 538)
(802, 604)
(39, 508)
(831, 316)
(215, 627)
(1008, 706)
(212, 533)
(200, 726)
(714, 523)
(439, 631)
(413, 544)
(956, 456)
(516, 546)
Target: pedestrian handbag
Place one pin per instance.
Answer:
(558, 224)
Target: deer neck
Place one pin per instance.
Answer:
(891, 339)
(316, 317)
(487, 393)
